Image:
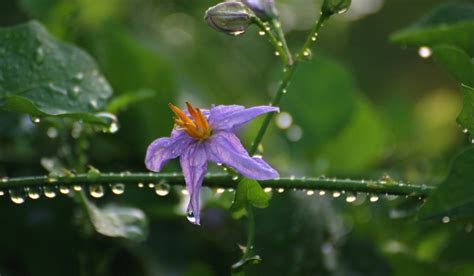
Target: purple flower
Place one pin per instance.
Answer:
(265, 9)
(208, 135)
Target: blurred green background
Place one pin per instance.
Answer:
(362, 108)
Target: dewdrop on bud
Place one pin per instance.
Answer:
(231, 18)
(331, 7)
(264, 9)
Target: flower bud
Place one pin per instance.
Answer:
(264, 9)
(231, 18)
(331, 7)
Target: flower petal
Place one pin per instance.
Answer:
(163, 149)
(224, 147)
(229, 117)
(194, 165)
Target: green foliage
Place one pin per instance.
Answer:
(451, 24)
(117, 221)
(248, 193)
(455, 195)
(41, 76)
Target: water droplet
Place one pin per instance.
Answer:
(39, 55)
(336, 194)
(219, 164)
(77, 188)
(267, 190)
(294, 133)
(280, 190)
(374, 198)
(76, 90)
(57, 89)
(261, 33)
(36, 120)
(2, 193)
(321, 193)
(342, 11)
(236, 33)
(162, 189)
(190, 216)
(310, 192)
(49, 192)
(151, 185)
(4, 179)
(141, 185)
(284, 120)
(16, 196)
(351, 198)
(446, 219)
(424, 52)
(313, 38)
(52, 132)
(277, 53)
(112, 121)
(184, 192)
(64, 190)
(235, 177)
(220, 190)
(465, 130)
(33, 193)
(94, 104)
(96, 191)
(118, 188)
(79, 76)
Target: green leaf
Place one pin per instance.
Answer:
(44, 77)
(118, 221)
(330, 93)
(466, 117)
(248, 192)
(124, 100)
(455, 195)
(457, 62)
(365, 130)
(447, 24)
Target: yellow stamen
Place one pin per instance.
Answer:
(196, 126)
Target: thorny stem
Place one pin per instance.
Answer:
(382, 186)
(288, 71)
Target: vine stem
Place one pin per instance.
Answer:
(223, 181)
(288, 71)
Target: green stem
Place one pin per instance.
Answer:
(281, 37)
(224, 181)
(288, 71)
(250, 231)
(278, 45)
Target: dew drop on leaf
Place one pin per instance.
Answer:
(374, 198)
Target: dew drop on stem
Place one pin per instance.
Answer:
(162, 189)
(220, 190)
(49, 192)
(96, 191)
(77, 188)
(374, 198)
(118, 188)
(64, 190)
(17, 197)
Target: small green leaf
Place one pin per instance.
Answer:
(125, 100)
(457, 62)
(455, 195)
(466, 117)
(248, 192)
(451, 24)
(44, 77)
(118, 221)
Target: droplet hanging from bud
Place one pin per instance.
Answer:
(231, 18)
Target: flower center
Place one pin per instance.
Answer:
(196, 126)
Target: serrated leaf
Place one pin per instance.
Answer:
(41, 76)
(451, 24)
(118, 221)
(455, 195)
(248, 192)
